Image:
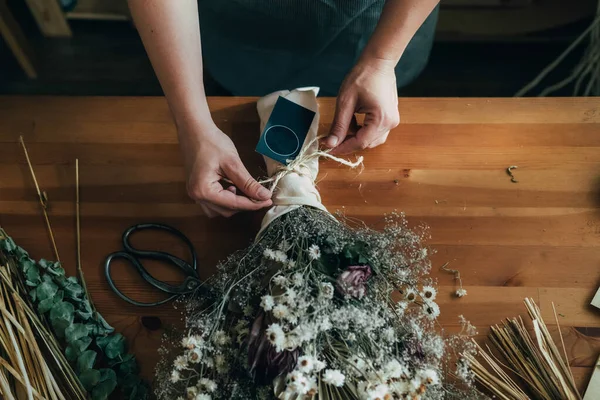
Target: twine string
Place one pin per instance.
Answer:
(299, 165)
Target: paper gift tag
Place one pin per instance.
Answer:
(285, 131)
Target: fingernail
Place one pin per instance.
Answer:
(264, 193)
(332, 141)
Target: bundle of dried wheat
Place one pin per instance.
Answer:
(535, 360)
(32, 365)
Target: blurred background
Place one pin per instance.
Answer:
(482, 48)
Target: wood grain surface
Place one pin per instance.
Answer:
(444, 166)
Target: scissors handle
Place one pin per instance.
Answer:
(165, 287)
(190, 270)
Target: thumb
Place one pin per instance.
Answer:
(344, 113)
(242, 179)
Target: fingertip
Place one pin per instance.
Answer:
(332, 141)
(263, 193)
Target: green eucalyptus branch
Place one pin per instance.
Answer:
(98, 355)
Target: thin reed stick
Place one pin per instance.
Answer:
(43, 199)
(78, 232)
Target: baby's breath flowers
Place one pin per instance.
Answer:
(307, 310)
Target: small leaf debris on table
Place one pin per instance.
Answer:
(510, 173)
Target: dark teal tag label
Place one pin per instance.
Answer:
(285, 131)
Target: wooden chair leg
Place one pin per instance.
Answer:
(50, 17)
(14, 37)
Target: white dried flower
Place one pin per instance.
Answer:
(394, 370)
(221, 338)
(203, 396)
(291, 264)
(290, 297)
(410, 295)
(461, 292)
(297, 382)
(284, 245)
(327, 290)
(400, 388)
(431, 309)
(208, 361)
(189, 342)
(276, 336)
(180, 363)
(267, 302)
(429, 377)
(314, 252)
(280, 257)
(428, 293)
(248, 311)
(194, 356)
(297, 279)
(381, 391)
(175, 377)
(318, 365)
(281, 311)
(325, 324)
(207, 385)
(401, 307)
(280, 280)
(191, 392)
(269, 254)
(334, 377)
(306, 364)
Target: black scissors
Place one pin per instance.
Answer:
(191, 282)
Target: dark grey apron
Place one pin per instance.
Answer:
(253, 47)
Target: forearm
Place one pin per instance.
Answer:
(399, 21)
(170, 32)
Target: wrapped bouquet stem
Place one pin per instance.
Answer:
(306, 311)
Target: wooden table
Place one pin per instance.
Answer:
(445, 166)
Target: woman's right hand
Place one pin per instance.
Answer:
(210, 158)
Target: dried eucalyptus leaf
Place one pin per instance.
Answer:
(75, 348)
(116, 346)
(86, 360)
(75, 332)
(73, 291)
(61, 316)
(46, 290)
(107, 374)
(44, 263)
(63, 310)
(128, 367)
(22, 254)
(89, 378)
(84, 316)
(103, 324)
(8, 245)
(56, 270)
(103, 389)
(45, 305)
(32, 275)
(102, 341)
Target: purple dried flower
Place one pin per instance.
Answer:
(266, 363)
(352, 282)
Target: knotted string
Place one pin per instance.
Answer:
(299, 165)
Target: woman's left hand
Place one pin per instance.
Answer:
(370, 89)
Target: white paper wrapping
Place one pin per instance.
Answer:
(294, 189)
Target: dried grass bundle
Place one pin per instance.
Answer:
(32, 365)
(535, 360)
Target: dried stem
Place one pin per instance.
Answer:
(43, 198)
(78, 229)
(536, 360)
